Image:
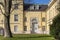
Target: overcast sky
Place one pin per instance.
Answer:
(36, 1)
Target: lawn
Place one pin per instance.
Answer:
(29, 37)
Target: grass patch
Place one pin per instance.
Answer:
(29, 37)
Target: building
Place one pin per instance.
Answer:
(30, 18)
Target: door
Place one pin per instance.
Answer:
(34, 26)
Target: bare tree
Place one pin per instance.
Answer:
(7, 5)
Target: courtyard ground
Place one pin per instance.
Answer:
(29, 37)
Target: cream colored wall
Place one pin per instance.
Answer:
(35, 14)
(1, 20)
(19, 23)
(51, 13)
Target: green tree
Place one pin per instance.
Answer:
(55, 26)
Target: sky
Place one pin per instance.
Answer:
(36, 1)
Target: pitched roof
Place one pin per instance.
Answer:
(41, 7)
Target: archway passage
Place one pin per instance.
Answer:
(34, 25)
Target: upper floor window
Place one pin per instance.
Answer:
(25, 19)
(40, 7)
(43, 19)
(16, 17)
(36, 7)
(32, 7)
(16, 6)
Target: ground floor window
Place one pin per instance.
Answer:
(15, 28)
(1, 31)
(25, 28)
(43, 28)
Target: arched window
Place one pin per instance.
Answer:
(34, 20)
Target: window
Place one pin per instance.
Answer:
(36, 7)
(15, 28)
(32, 7)
(43, 28)
(2, 21)
(25, 19)
(40, 7)
(25, 28)
(16, 17)
(15, 6)
(34, 20)
(43, 19)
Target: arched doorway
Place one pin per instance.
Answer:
(34, 25)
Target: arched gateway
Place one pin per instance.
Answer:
(34, 25)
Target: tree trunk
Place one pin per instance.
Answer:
(7, 31)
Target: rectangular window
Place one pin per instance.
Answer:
(40, 7)
(15, 6)
(36, 7)
(43, 28)
(43, 19)
(25, 28)
(15, 28)
(2, 21)
(16, 17)
(32, 7)
(25, 19)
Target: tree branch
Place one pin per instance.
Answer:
(2, 12)
(12, 10)
(1, 4)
